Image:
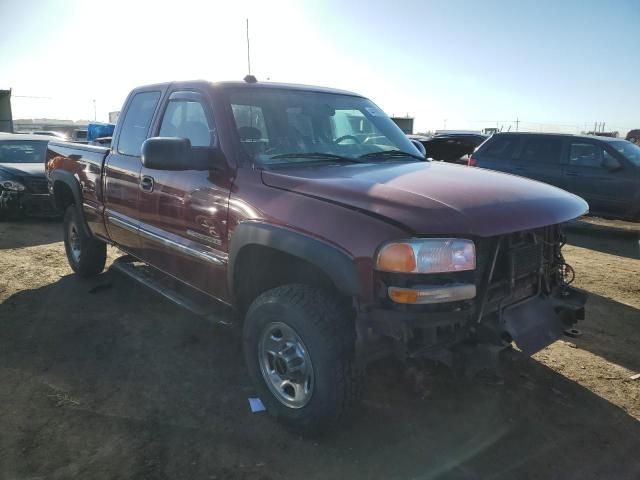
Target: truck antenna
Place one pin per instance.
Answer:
(248, 50)
(249, 78)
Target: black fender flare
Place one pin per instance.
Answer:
(74, 185)
(335, 263)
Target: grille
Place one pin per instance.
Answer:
(525, 259)
(35, 185)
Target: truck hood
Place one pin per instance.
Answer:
(20, 169)
(433, 197)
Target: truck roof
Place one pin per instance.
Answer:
(243, 84)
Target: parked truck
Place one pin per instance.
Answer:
(331, 241)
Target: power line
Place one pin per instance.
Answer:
(31, 96)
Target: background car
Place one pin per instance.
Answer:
(50, 133)
(604, 171)
(23, 185)
(450, 147)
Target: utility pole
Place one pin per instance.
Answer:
(517, 123)
(94, 109)
(248, 51)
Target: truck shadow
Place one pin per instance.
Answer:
(611, 330)
(104, 376)
(30, 232)
(625, 244)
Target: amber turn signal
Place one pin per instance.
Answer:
(403, 295)
(397, 257)
(426, 294)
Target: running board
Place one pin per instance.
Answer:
(174, 290)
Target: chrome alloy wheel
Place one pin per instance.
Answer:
(74, 242)
(285, 365)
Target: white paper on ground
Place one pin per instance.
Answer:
(256, 405)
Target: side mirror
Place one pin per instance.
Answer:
(611, 164)
(419, 146)
(166, 153)
(174, 153)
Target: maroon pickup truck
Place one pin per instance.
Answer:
(305, 215)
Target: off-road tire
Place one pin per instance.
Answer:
(93, 252)
(329, 336)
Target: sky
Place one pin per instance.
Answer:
(551, 65)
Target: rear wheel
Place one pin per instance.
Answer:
(86, 255)
(299, 349)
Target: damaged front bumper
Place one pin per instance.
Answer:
(536, 323)
(530, 324)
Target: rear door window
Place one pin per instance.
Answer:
(501, 148)
(135, 125)
(584, 154)
(538, 150)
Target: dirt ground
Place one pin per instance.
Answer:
(102, 379)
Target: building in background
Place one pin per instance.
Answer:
(405, 124)
(6, 118)
(68, 128)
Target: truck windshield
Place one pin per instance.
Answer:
(289, 126)
(629, 150)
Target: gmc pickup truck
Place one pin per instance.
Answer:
(305, 215)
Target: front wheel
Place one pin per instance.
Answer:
(299, 349)
(86, 255)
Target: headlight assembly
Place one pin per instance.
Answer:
(427, 255)
(11, 185)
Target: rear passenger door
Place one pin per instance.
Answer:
(122, 171)
(597, 175)
(539, 158)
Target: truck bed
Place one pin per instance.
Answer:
(92, 153)
(85, 163)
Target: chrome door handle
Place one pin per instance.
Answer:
(146, 183)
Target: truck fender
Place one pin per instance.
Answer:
(72, 182)
(335, 263)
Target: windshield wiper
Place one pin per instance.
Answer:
(315, 155)
(392, 153)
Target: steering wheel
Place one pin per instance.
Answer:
(347, 137)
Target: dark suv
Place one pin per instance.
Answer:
(604, 171)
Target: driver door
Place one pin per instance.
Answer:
(183, 214)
